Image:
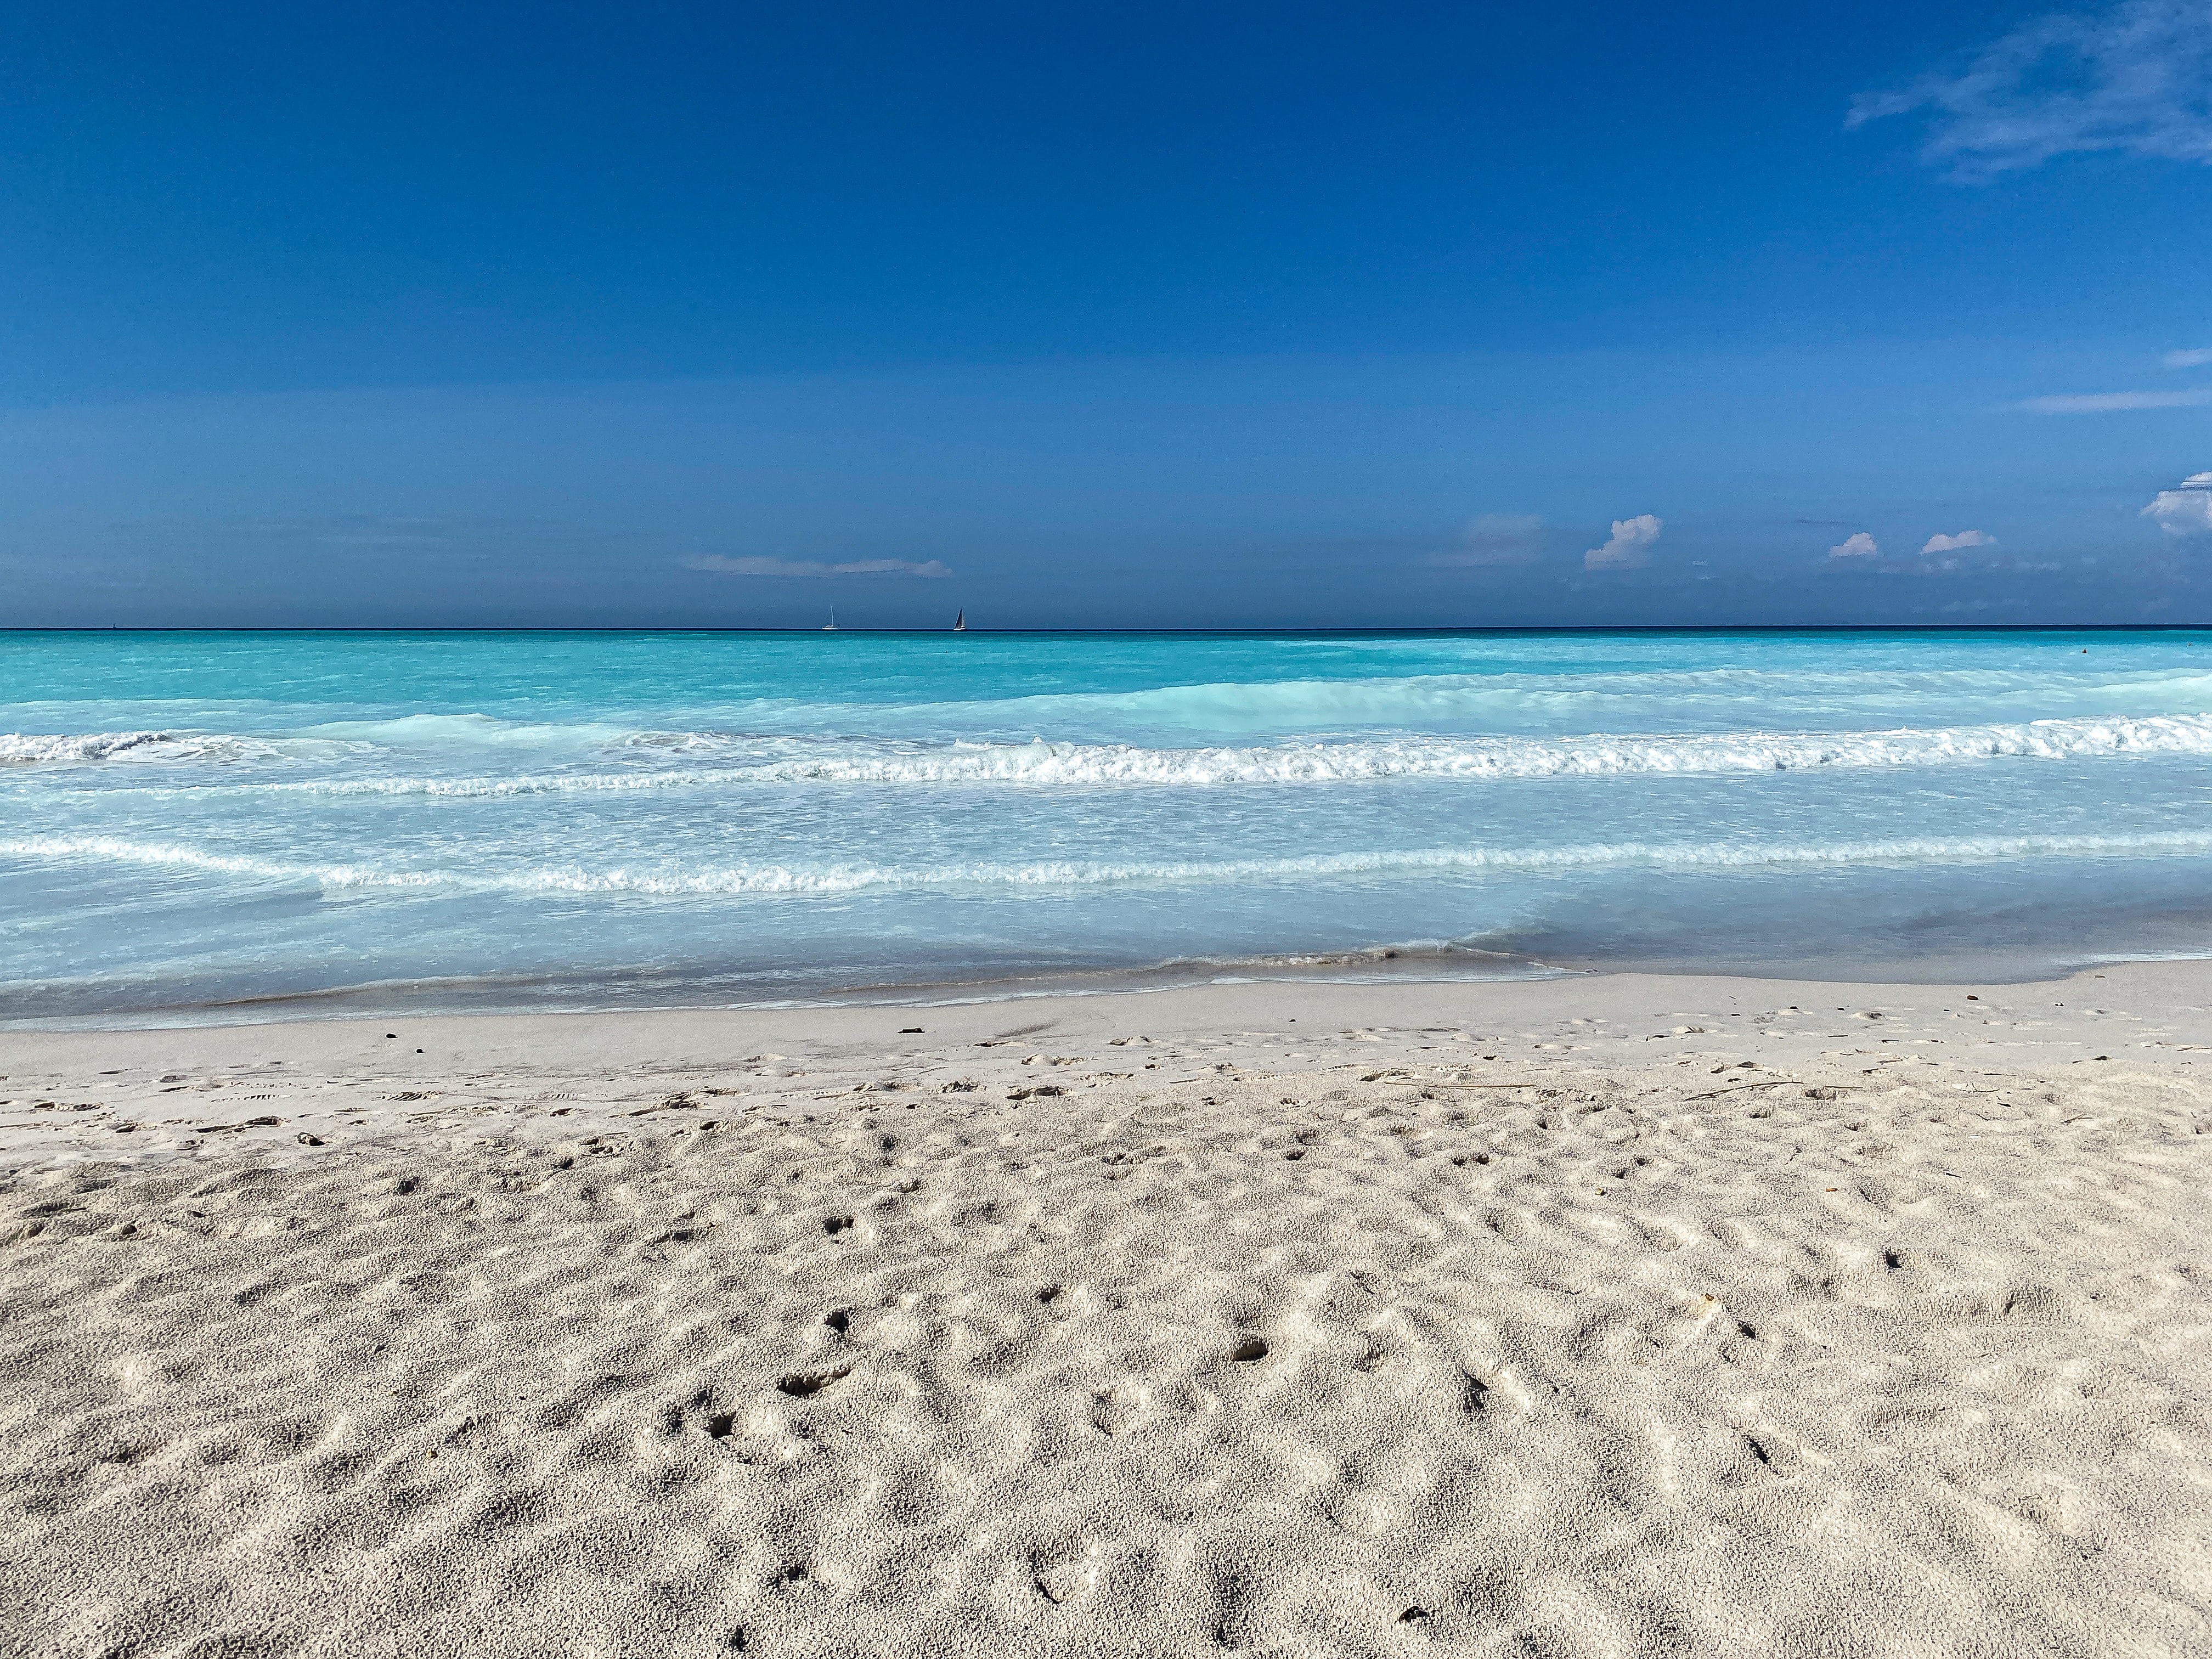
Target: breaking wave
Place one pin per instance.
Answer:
(30, 748)
(770, 880)
(1072, 765)
(36, 749)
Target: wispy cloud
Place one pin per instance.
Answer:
(722, 566)
(2185, 510)
(1856, 545)
(1630, 546)
(2196, 358)
(1497, 538)
(1964, 538)
(2113, 402)
(2136, 80)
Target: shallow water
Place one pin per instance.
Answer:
(190, 822)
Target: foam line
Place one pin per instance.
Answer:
(773, 880)
(1066, 765)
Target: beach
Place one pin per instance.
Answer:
(885, 833)
(1605, 1315)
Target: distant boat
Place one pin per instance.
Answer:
(960, 623)
(831, 627)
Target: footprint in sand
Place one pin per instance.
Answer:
(802, 1385)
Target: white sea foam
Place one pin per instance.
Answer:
(30, 748)
(1070, 765)
(1062, 764)
(48, 749)
(777, 880)
(1041, 764)
(1505, 700)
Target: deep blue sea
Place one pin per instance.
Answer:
(212, 825)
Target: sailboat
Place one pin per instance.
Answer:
(831, 627)
(960, 623)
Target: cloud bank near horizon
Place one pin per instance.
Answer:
(2185, 510)
(1964, 538)
(718, 564)
(1629, 548)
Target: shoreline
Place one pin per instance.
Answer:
(1379, 966)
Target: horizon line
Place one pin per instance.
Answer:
(1224, 632)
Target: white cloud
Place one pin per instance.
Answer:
(2108, 403)
(1498, 538)
(2195, 359)
(754, 567)
(1630, 546)
(1856, 545)
(1964, 538)
(2137, 80)
(2185, 511)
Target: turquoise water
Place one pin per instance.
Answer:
(192, 823)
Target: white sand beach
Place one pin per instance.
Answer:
(1605, 1316)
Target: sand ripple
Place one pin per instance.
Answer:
(1614, 1362)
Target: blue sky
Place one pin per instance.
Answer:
(1203, 315)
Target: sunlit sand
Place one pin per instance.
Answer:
(1608, 1317)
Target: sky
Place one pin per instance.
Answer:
(1215, 315)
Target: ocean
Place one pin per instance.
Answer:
(218, 826)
